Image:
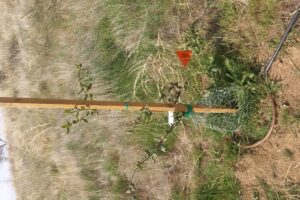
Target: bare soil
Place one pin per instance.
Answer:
(278, 160)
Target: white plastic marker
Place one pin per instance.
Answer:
(7, 190)
(170, 118)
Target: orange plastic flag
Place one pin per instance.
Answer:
(184, 56)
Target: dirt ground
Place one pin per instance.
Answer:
(270, 161)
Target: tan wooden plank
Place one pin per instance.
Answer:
(105, 105)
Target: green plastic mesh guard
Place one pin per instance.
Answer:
(218, 121)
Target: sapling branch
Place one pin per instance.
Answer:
(80, 114)
(159, 147)
(145, 115)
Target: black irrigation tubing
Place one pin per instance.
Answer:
(290, 27)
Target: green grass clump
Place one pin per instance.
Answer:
(126, 43)
(218, 173)
(289, 117)
(177, 194)
(270, 192)
(264, 12)
(288, 153)
(229, 14)
(112, 61)
(289, 190)
(148, 133)
(120, 187)
(223, 188)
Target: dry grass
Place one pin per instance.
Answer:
(42, 42)
(38, 61)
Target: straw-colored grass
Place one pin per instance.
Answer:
(42, 41)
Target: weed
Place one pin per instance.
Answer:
(85, 82)
(54, 169)
(220, 182)
(288, 191)
(285, 116)
(293, 190)
(62, 195)
(263, 12)
(288, 153)
(177, 194)
(111, 165)
(73, 146)
(120, 186)
(289, 117)
(222, 187)
(270, 192)
(256, 195)
(229, 14)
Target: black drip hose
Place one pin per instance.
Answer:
(291, 25)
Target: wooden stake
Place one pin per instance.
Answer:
(106, 105)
